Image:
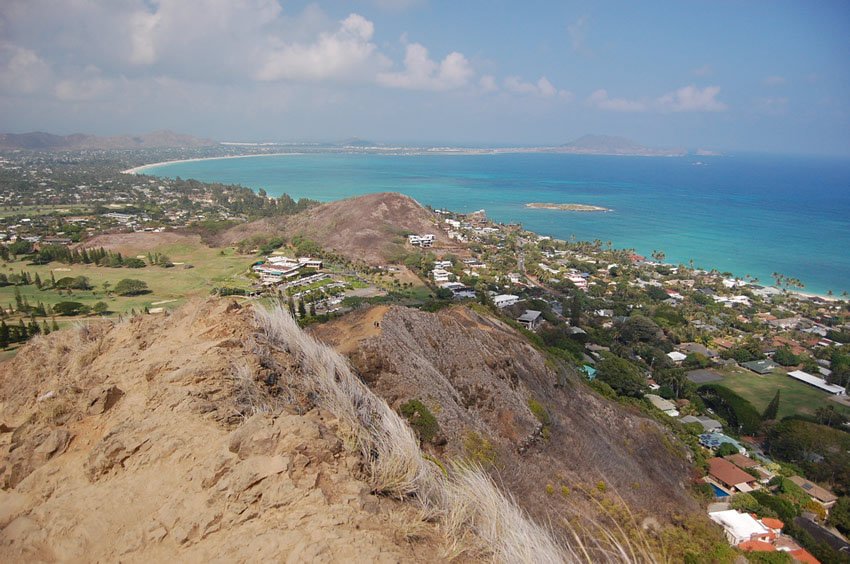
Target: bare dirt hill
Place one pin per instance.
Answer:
(170, 438)
(370, 228)
(480, 379)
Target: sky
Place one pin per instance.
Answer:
(767, 76)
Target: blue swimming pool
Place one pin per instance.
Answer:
(718, 492)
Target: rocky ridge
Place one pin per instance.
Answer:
(169, 436)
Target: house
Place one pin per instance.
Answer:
(746, 463)
(423, 241)
(676, 356)
(505, 300)
(760, 366)
(817, 493)
(729, 477)
(708, 424)
(440, 275)
(688, 348)
(662, 404)
(531, 319)
(740, 527)
(311, 263)
(463, 293)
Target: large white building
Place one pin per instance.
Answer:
(505, 300)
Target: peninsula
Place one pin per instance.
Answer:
(567, 207)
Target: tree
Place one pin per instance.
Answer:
(4, 335)
(839, 515)
(726, 449)
(100, 308)
(302, 309)
(67, 308)
(785, 357)
(623, 376)
(131, 287)
(772, 409)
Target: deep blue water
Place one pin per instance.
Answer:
(749, 214)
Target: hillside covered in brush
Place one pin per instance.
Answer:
(222, 430)
(370, 228)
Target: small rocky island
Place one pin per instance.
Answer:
(567, 207)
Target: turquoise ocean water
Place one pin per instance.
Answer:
(748, 214)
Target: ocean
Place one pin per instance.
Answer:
(745, 214)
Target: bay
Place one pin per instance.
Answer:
(746, 214)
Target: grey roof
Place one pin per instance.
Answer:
(529, 315)
(760, 366)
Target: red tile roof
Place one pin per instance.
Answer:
(772, 523)
(757, 546)
(741, 461)
(803, 555)
(727, 473)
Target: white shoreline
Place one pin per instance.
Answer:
(142, 168)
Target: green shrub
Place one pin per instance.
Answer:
(421, 419)
(539, 412)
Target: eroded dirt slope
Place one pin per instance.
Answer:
(145, 441)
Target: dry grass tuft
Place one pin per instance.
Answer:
(477, 518)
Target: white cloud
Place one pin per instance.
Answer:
(345, 53)
(599, 99)
(692, 99)
(577, 31)
(774, 80)
(423, 73)
(543, 87)
(22, 70)
(685, 99)
(488, 83)
(85, 86)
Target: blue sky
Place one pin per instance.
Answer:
(728, 76)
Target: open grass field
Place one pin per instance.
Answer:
(45, 210)
(169, 287)
(795, 398)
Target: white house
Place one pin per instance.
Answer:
(440, 275)
(424, 241)
(740, 527)
(505, 300)
(676, 356)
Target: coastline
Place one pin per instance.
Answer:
(805, 294)
(141, 168)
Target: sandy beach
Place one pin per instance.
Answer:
(143, 168)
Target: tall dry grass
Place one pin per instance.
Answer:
(478, 519)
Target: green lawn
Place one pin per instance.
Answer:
(795, 397)
(210, 268)
(45, 210)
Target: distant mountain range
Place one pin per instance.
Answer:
(609, 145)
(39, 140)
